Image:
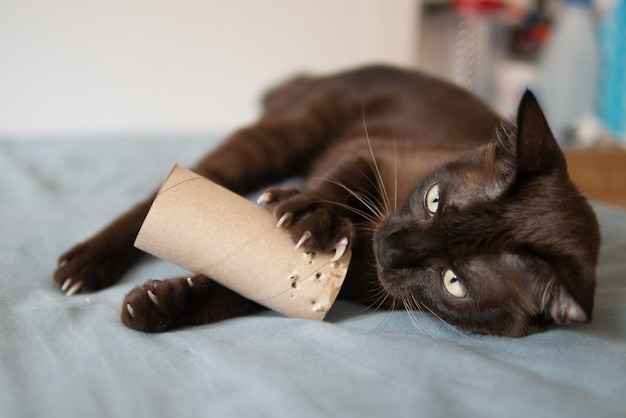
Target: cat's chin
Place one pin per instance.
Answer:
(396, 283)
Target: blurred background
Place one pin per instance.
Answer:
(75, 68)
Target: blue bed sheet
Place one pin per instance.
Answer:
(71, 356)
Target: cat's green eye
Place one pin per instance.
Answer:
(453, 285)
(432, 198)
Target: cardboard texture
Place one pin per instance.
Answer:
(207, 229)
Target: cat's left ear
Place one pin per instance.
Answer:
(563, 308)
(538, 153)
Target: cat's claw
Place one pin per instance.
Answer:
(70, 288)
(130, 310)
(340, 249)
(189, 282)
(304, 238)
(75, 288)
(264, 198)
(285, 220)
(153, 297)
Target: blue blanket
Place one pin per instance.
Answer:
(71, 356)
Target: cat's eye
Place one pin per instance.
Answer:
(432, 198)
(453, 285)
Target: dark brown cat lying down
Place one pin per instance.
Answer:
(446, 207)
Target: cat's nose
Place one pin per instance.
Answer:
(388, 257)
(395, 257)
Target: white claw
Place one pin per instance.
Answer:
(130, 310)
(66, 284)
(74, 288)
(189, 282)
(304, 238)
(284, 220)
(340, 249)
(264, 198)
(153, 297)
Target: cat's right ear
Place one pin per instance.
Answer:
(537, 153)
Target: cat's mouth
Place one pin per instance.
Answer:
(394, 282)
(398, 282)
(402, 270)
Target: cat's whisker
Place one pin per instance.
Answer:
(356, 211)
(380, 297)
(368, 200)
(395, 174)
(373, 217)
(379, 177)
(386, 317)
(410, 309)
(382, 207)
(452, 327)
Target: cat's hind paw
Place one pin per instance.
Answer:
(162, 305)
(156, 305)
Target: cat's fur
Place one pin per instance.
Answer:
(446, 207)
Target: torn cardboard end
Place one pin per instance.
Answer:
(207, 229)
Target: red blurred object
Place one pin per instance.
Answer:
(479, 6)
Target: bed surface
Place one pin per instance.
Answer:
(71, 356)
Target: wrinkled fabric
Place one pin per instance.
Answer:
(72, 357)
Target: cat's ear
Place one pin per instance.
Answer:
(538, 153)
(530, 150)
(568, 289)
(561, 307)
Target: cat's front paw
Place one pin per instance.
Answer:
(162, 305)
(314, 224)
(92, 265)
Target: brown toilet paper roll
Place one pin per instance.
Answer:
(207, 229)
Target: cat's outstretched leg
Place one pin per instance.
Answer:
(293, 130)
(101, 261)
(161, 305)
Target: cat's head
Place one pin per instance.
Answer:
(498, 241)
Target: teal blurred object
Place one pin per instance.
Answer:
(612, 106)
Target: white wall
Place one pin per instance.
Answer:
(80, 67)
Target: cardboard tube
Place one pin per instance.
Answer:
(207, 229)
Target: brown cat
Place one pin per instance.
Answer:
(446, 207)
